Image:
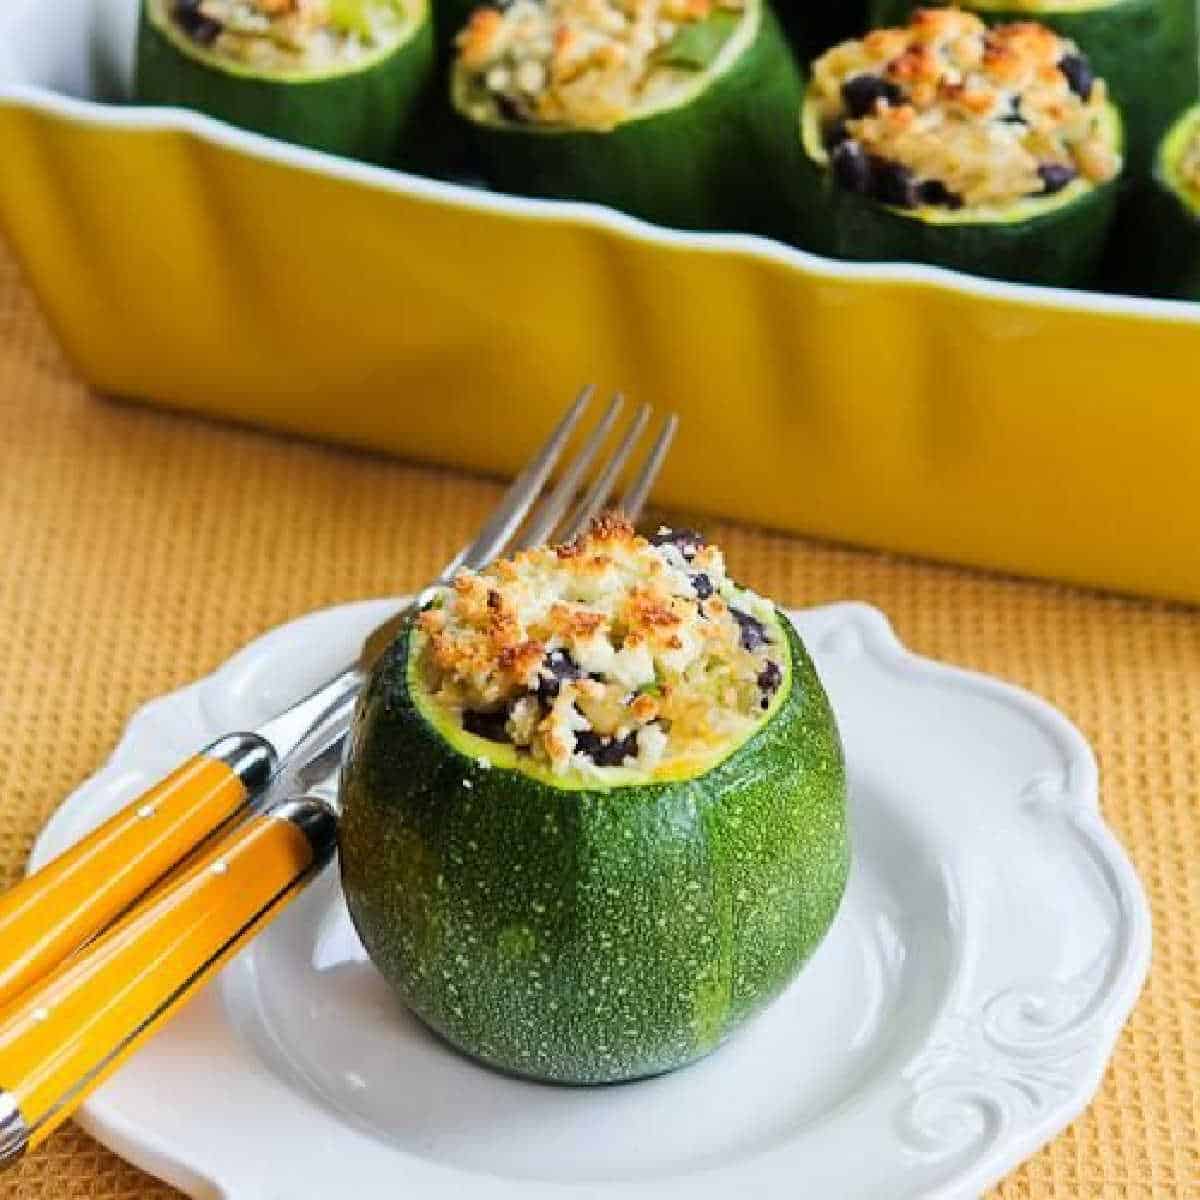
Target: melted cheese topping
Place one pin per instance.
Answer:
(609, 652)
(282, 36)
(584, 64)
(961, 114)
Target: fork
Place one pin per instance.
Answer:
(67, 1022)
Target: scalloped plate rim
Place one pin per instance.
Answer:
(155, 1155)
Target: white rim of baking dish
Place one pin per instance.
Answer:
(154, 119)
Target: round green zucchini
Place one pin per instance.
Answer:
(1160, 239)
(368, 112)
(578, 934)
(1057, 240)
(712, 158)
(1146, 51)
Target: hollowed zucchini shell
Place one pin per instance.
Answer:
(586, 935)
(1145, 50)
(368, 111)
(713, 159)
(1056, 240)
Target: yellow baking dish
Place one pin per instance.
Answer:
(190, 264)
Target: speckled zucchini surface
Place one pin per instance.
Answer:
(371, 112)
(714, 160)
(584, 935)
(1058, 240)
(1147, 51)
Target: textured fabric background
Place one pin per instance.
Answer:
(139, 549)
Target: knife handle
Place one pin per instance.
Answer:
(69, 1032)
(56, 910)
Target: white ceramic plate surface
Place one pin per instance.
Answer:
(992, 941)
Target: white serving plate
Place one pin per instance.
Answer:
(960, 1013)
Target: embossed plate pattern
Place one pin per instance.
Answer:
(992, 942)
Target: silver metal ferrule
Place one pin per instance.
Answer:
(251, 757)
(14, 1133)
(316, 820)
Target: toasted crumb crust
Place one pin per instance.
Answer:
(288, 35)
(948, 111)
(584, 64)
(609, 652)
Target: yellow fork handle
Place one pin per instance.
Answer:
(63, 1037)
(53, 912)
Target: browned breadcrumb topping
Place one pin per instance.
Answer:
(614, 651)
(948, 111)
(586, 64)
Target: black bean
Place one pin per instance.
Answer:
(606, 751)
(1055, 177)
(835, 134)
(195, 24)
(702, 586)
(508, 108)
(488, 725)
(860, 93)
(1079, 73)
(556, 666)
(851, 167)
(687, 541)
(754, 632)
(934, 191)
(894, 184)
(769, 679)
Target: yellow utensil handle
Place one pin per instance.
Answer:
(53, 912)
(65, 1035)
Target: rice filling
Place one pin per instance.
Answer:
(948, 112)
(604, 652)
(290, 35)
(587, 64)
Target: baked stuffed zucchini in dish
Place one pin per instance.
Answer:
(989, 150)
(345, 76)
(1146, 51)
(677, 111)
(594, 808)
(1163, 238)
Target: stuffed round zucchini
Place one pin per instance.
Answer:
(594, 808)
(677, 111)
(345, 76)
(1162, 238)
(1147, 52)
(992, 151)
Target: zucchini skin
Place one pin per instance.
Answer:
(370, 114)
(715, 162)
(1062, 247)
(1156, 249)
(1145, 50)
(590, 936)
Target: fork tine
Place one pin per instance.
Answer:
(550, 511)
(521, 494)
(595, 497)
(636, 494)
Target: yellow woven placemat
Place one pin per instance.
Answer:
(138, 549)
